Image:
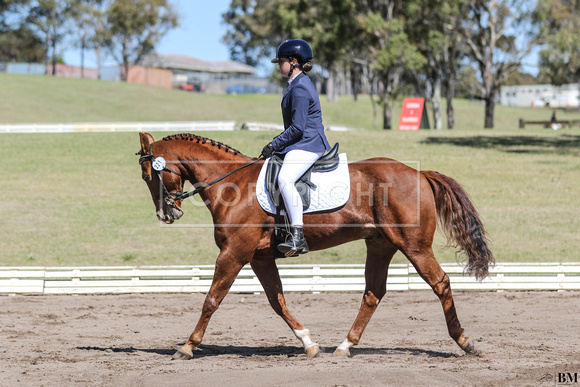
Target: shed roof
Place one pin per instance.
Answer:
(185, 62)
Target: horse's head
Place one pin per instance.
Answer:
(163, 178)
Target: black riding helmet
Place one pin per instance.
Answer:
(294, 48)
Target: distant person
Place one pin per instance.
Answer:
(303, 140)
(554, 122)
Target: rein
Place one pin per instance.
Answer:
(159, 165)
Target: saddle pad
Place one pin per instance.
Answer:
(332, 189)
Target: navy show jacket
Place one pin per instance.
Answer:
(302, 119)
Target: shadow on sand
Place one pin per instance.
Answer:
(289, 351)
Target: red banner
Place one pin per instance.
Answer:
(412, 114)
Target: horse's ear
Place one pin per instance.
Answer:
(146, 140)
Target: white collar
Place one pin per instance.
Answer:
(293, 78)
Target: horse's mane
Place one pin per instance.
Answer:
(202, 140)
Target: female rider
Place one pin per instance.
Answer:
(303, 140)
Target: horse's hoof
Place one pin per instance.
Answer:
(341, 353)
(467, 345)
(183, 354)
(313, 351)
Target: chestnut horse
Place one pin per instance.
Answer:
(391, 206)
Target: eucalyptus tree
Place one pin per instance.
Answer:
(251, 32)
(559, 60)
(135, 27)
(18, 42)
(85, 15)
(499, 35)
(50, 18)
(389, 50)
(257, 27)
(433, 26)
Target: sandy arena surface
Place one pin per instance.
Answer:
(522, 338)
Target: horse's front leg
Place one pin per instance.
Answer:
(226, 271)
(267, 273)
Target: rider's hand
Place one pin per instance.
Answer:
(268, 150)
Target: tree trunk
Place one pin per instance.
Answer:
(450, 92)
(354, 82)
(437, 113)
(489, 108)
(99, 61)
(83, 59)
(387, 114)
(125, 55)
(53, 53)
(47, 52)
(332, 86)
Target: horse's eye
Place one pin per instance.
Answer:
(147, 178)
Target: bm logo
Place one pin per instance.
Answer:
(567, 378)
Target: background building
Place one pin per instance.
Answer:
(216, 77)
(541, 95)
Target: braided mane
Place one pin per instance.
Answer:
(203, 140)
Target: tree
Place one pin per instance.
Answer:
(435, 30)
(499, 35)
(389, 51)
(251, 32)
(85, 16)
(257, 27)
(50, 18)
(18, 43)
(135, 27)
(559, 21)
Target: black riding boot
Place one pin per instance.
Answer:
(295, 243)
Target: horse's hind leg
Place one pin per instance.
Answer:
(267, 273)
(379, 254)
(430, 270)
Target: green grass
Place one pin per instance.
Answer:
(78, 199)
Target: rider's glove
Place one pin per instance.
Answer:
(268, 150)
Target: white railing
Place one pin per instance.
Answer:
(120, 127)
(147, 126)
(299, 278)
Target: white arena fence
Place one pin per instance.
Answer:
(119, 127)
(295, 278)
(98, 127)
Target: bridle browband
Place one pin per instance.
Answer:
(159, 165)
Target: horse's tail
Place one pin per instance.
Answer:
(461, 223)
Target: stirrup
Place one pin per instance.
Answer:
(295, 243)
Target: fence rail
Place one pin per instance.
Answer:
(119, 127)
(147, 126)
(298, 278)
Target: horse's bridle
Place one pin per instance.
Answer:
(159, 165)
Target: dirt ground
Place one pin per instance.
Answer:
(522, 338)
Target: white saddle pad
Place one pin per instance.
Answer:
(332, 188)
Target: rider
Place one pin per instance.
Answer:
(303, 140)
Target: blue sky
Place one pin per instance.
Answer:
(200, 30)
(199, 34)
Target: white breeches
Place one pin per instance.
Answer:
(296, 162)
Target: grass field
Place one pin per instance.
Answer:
(77, 199)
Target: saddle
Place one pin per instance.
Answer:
(326, 163)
